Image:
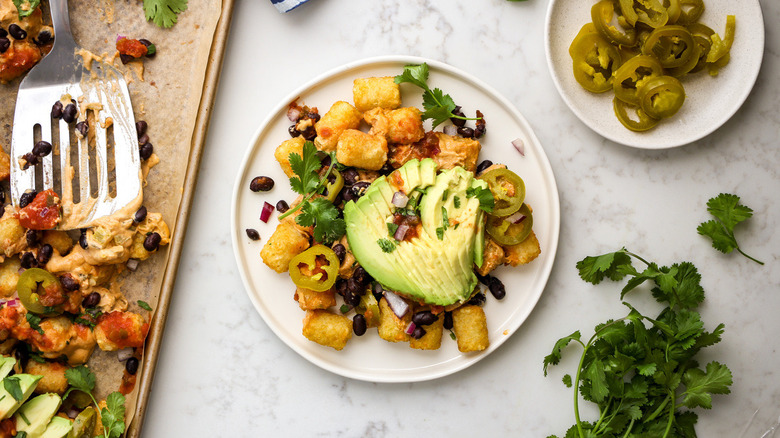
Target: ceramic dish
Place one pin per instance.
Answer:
(710, 101)
(368, 357)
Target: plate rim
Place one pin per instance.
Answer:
(668, 145)
(545, 269)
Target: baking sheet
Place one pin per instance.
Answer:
(174, 93)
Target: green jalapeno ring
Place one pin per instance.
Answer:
(621, 111)
(307, 260)
(602, 13)
(29, 286)
(690, 11)
(630, 75)
(661, 97)
(672, 45)
(500, 182)
(594, 62)
(509, 233)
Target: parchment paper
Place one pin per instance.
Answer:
(167, 98)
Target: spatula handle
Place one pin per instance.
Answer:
(61, 22)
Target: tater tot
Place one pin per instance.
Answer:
(368, 93)
(431, 340)
(59, 240)
(358, 149)
(391, 328)
(9, 276)
(327, 328)
(470, 327)
(457, 151)
(5, 165)
(53, 376)
(524, 252)
(400, 126)
(493, 256)
(311, 299)
(283, 151)
(285, 243)
(340, 117)
(12, 234)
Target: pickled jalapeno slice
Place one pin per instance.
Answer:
(672, 45)
(40, 291)
(513, 229)
(595, 61)
(603, 15)
(508, 191)
(650, 12)
(630, 75)
(316, 268)
(644, 123)
(661, 97)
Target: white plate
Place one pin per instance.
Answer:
(710, 101)
(368, 357)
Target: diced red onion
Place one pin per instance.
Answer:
(410, 328)
(450, 129)
(132, 264)
(13, 303)
(119, 37)
(515, 218)
(293, 114)
(401, 232)
(400, 199)
(266, 213)
(519, 145)
(397, 304)
(124, 354)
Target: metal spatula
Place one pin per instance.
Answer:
(105, 164)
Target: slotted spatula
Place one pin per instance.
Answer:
(106, 165)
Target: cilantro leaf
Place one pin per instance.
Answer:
(14, 387)
(81, 378)
(34, 321)
(700, 385)
(391, 228)
(485, 197)
(113, 415)
(144, 305)
(305, 167)
(414, 74)
(728, 213)
(614, 266)
(26, 7)
(164, 12)
(555, 357)
(386, 245)
(321, 213)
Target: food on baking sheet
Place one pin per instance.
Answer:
(395, 227)
(641, 50)
(24, 38)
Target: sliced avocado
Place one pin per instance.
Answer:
(6, 365)
(427, 268)
(34, 416)
(8, 404)
(58, 427)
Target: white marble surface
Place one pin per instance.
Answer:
(222, 372)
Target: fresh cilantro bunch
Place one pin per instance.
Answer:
(319, 212)
(163, 12)
(112, 416)
(641, 371)
(728, 213)
(438, 106)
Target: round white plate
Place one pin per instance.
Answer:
(710, 101)
(369, 357)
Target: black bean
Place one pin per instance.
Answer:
(293, 132)
(448, 320)
(361, 276)
(418, 332)
(341, 286)
(483, 165)
(26, 198)
(359, 324)
(424, 317)
(480, 130)
(282, 206)
(17, 32)
(455, 121)
(44, 37)
(143, 139)
(32, 238)
(466, 132)
(152, 241)
(350, 176)
(3, 33)
(140, 215)
(125, 58)
(69, 283)
(29, 159)
(82, 127)
(478, 299)
(310, 133)
(69, 113)
(359, 189)
(355, 287)
(132, 365)
(42, 148)
(325, 162)
(44, 254)
(340, 251)
(28, 260)
(56, 110)
(315, 117)
(145, 151)
(5, 43)
(2, 200)
(252, 234)
(140, 128)
(83, 239)
(497, 288)
(351, 299)
(21, 354)
(261, 184)
(386, 169)
(151, 48)
(91, 300)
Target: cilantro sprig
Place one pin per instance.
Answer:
(486, 200)
(728, 213)
(438, 106)
(26, 7)
(112, 416)
(641, 371)
(317, 212)
(164, 12)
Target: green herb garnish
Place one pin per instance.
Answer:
(144, 305)
(26, 7)
(438, 106)
(112, 416)
(485, 197)
(728, 213)
(163, 12)
(34, 321)
(387, 245)
(14, 387)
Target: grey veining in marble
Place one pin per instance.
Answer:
(223, 373)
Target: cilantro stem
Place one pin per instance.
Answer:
(672, 407)
(313, 192)
(628, 429)
(751, 258)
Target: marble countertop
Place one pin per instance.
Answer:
(222, 372)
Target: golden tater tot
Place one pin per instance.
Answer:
(283, 151)
(285, 243)
(368, 93)
(358, 149)
(401, 126)
(470, 327)
(12, 234)
(340, 117)
(311, 299)
(524, 252)
(457, 151)
(9, 276)
(431, 340)
(391, 328)
(53, 379)
(59, 240)
(327, 328)
(493, 256)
